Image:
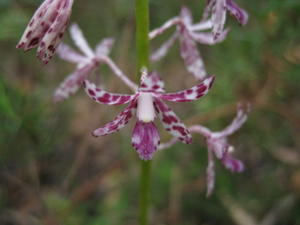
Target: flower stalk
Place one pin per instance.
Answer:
(142, 50)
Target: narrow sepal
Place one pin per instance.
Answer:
(187, 95)
(103, 97)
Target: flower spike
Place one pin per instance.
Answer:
(46, 28)
(146, 104)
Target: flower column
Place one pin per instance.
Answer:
(142, 48)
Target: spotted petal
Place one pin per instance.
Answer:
(145, 139)
(103, 97)
(119, 122)
(207, 38)
(171, 122)
(218, 17)
(190, 54)
(187, 95)
(151, 82)
(71, 84)
(240, 14)
(66, 53)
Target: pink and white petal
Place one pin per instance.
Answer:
(237, 123)
(80, 40)
(145, 139)
(66, 53)
(191, 55)
(240, 14)
(232, 164)
(207, 38)
(103, 97)
(210, 174)
(187, 95)
(204, 131)
(171, 122)
(54, 34)
(168, 144)
(186, 16)
(119, 122)
(151, 82)
(71, 84)
(164, 48)
(38, 25)
(218, 17)
(104, 47)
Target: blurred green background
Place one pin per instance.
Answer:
(52, 172)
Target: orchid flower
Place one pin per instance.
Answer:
(218, 145)
(86, 62)
(146, 104)
(46, 28)
(188, 34)
(218, 10)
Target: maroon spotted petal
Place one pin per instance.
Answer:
(187, 95)
(171, 122)
(103, 97)
(71, 84)
(145, 139)
(119, 122)
(218, 17)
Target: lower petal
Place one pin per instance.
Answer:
(145, 139)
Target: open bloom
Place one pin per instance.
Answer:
(218, 145)
(146, 104)
(218, 9)
(188, 34)
(46, 28)
(86, 62)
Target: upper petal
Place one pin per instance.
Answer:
(240, 14)
(218, 17)
(119, 122)
(187, 95)
(104, 47)
(145, 139)
(172, 123)
(103, 97)
(151, 82)
(80, 40)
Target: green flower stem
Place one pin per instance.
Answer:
(142, 48)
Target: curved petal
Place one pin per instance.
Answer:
(71, 84)
(187, 95)
(145, 139)
(103, 97)
(66, 53)
(80, 40)
(172, 123)
(207, 38)
(190, 54)
(232, 164)
(151, 82)
(119, 122)
(240, 14)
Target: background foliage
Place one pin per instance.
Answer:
(53, 172)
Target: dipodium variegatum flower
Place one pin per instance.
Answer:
(146, 104)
